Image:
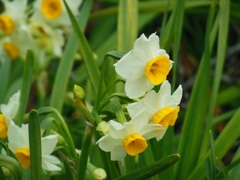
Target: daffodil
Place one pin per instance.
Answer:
(54, 11)
(18, 139)
(9, 112)
(144, 67)
(130, 137)
(13, 15)
(161, 108)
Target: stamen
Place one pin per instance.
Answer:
(166, 116)
(134, 144)
(157, 69)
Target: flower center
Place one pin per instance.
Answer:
(6, 24)
(166, 116)
(3, 127)
(157, 69)
(134, 144)
(51, 9)
(23, 156)
(11, 49)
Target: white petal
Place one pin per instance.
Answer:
(177, 95)
(151, 102)
(50, 162)
(161, 134)
(116, 130)
(135, 108)
(10, 110)
(146, 48)
(48, 144)
(139, 121)
(137, 84)
(107, 143)
(153, 130)
(127, 64)
(17, 136)
(161, 52)
(118, 153)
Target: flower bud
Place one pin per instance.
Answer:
(99, 174)
(78, 92)
(102, 128)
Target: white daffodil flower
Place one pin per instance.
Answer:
(130, 137)
(9, 112)
(13, 15)
(18, 142)
(54, 11)
(144, 67)
(162, 107)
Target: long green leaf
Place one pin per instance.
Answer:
(26, 86)
(35, 145)
(86, 51)
(4, 76)
(67, 60)
(152, 169)
(194, 119)
(127, 24)
(222, 144)
(11, 164)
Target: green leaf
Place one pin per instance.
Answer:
(4, 76)
(152, 169)
(26, 86)
(86, 51)
(35, 145)
(127, 24)
(11, 164)
(223, 168)
(67, 60)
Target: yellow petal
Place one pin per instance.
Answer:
(134, 144)
(157, 69)
(51, 9)
(11, 49)
(3, 127)
(23, 156)
(6, 24)
(166, 116)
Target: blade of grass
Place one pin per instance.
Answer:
(193, 125)
(26, 86)
(4, 77)
(86, 51)
(222, 144)
(221, 51)
(127, 24)
(35, 145)
(67, 60)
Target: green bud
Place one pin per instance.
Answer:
(78, 92)
(102, 128)
(99, 174)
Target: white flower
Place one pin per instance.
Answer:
(13, 16)
(9, 112)
(18, 139)
(144, 66)
(54, 11)
(162, 107)
(130, 137)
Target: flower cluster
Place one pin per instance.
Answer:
(42, 26)
(143, 68)
(18, 138)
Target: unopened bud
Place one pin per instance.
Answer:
(99, 174)
(78, 92)
(102, 128)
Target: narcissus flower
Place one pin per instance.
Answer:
(18, 139)
(54, 11)
(144, 67)
(130, 137)
(9, 112)
(161, 108)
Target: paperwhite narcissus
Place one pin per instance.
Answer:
(18, 142)
(144, 67)
(162, 107)
(13, 15)
(54, 11)
(9, 112)
(130, 137)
